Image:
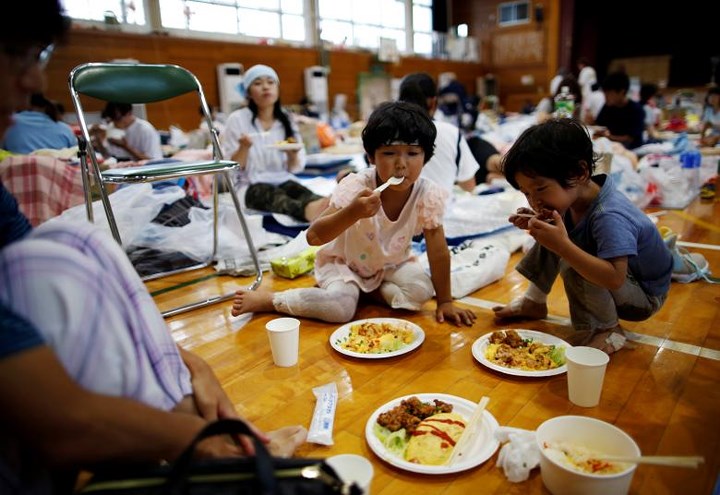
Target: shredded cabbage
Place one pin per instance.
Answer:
(394, 441)
(558, 355)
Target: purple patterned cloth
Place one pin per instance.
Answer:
(74, 283)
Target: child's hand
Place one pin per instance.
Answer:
(456, 316)
(521, 218)
(366, 204)
(549, 232)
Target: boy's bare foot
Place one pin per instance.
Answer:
(285, 441)
(609, 341)
(251, 301)
(521, 308)
(314, 208)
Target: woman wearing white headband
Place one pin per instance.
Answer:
(251, 137)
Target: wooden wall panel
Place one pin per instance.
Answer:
(512, 52)
(202, 57)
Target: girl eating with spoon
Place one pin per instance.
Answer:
(366, 234)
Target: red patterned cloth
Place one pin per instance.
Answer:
(43, 186)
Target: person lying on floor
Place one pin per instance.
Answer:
(612, 258)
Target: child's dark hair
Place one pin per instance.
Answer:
(417, 88)
(114, 110)
(558, 149)
(616, 81)
(399, 121)
(647, 91)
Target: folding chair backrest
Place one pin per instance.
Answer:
(133, 83)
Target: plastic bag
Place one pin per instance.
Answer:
(474, 264)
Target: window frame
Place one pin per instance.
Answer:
(153, 24)
(513, 5)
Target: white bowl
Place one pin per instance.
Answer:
(353, 469)
(591, 434)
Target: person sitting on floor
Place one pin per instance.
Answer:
(623, 118)
(366, 233)
(89, 373)
(612, 259)
(37, 128)
(128, 138)
(452, 162)
(269, 149)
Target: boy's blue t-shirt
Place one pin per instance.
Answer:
(615, 227)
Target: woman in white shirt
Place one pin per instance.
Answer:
(268, 147)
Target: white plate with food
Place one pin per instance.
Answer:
(286, 146)
(429, 452)
(377, 338)
(521, 353)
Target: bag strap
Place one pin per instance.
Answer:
(264, 469)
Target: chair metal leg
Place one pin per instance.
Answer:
(251, 246)
(246, 232)
(103, 196)
(82, 155)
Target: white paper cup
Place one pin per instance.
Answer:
(585, 373)
(284, 336)
(353, 469)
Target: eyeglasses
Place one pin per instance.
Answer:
(44, 56)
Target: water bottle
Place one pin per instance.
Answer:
(690, 161)
(564, 104)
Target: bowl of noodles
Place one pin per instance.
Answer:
(571, 448)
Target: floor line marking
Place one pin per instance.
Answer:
(698, 245)
(640, 338)
(696, 220)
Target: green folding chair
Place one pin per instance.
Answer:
(148, 83)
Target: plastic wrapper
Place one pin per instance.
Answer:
(321, 427)
(519, 455)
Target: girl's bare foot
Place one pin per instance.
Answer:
(285, 441)
(250, 301)
(314, 208)
(521, 308)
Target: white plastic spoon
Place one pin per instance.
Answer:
(392, 181)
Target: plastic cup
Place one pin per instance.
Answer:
(586, 373)
(284, 336)
(353, 469)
